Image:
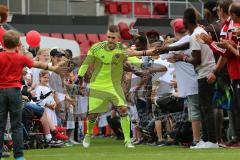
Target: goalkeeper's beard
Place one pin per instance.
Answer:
(111, 45)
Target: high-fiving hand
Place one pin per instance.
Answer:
(62, 68)
(204, 38)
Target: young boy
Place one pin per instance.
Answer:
(11, 66)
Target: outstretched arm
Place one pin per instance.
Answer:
(223, 48)
(41, 65)
(230, 46)
(195, 58)
(149, 52)
(179, 47)
(160, 68)
(159, 50)
(61, 68)
(84, 67)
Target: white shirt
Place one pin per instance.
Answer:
(44, 90)
(185, 74)
(49, 100)
(164, 77)
(56, 84)
(134, 83)
(158, 63)
(207, 59)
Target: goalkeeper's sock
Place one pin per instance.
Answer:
(125, 124)
(90, 125)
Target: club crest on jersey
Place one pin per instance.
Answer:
(117, 55)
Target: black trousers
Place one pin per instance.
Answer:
(206, 92)
(235, 109)
(115, 124)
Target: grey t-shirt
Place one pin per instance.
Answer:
(185, 74)
(207, 59)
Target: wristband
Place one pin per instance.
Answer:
(46, 67)
(144, 53)
(185, 58)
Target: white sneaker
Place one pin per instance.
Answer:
(73, 142)
(129, 145)
(199, 145)
(133, 140)
(210, 145)
(56, 143)
(86, 141)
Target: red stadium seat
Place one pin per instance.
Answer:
(93, 38)
(125, 7)
(85, 43)
(84, 47)
(160, 8)
(113, 8)
(141, 9)
(69, 36)
(56, 35)
(102, 37)
(45, 34)
(124, 31)
(125, 35)
(81, 37)
(123, 26)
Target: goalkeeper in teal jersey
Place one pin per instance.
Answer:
(105, 87)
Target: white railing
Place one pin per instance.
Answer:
(173, 6)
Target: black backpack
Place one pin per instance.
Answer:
(183, 132)
(169, 104)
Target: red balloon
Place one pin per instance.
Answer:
(33, 38)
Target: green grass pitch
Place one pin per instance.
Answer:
(110, 149)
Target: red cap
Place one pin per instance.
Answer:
(177, 24)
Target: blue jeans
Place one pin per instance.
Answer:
(11, 101)
(37, 109)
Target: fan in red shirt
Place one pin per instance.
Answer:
(228, 48)
(224, 48)
(11, 66)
